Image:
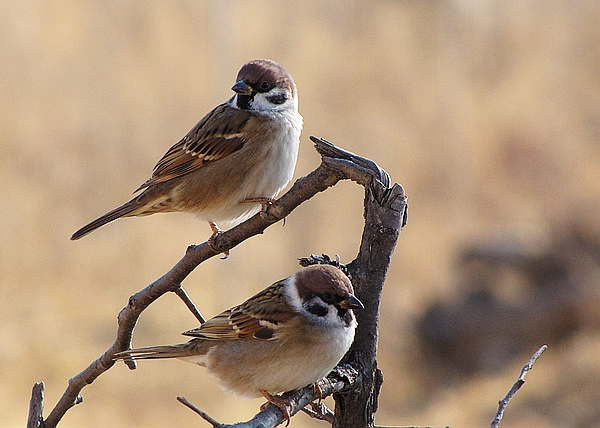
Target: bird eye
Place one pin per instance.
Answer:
(328, 296)
(265, 86)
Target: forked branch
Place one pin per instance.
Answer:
(385, 215)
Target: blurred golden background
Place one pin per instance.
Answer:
(488, 113)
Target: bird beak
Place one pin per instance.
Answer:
(351, 302)
(242, 88)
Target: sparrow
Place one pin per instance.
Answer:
(288, 336)
(238, 158)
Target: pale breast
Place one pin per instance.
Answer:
(244, 367)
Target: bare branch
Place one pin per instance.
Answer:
(202, 414)
(323, 259)
(190, 304)
(516, 386)
(36, 406)
(319, 411)
(385, 215)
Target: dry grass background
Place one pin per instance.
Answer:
(487, 112)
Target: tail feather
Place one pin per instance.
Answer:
(119, 212)
(154, 352)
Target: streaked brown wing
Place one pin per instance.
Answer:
(217, 135)
(259, 317)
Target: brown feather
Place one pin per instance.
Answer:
(258, 317)
(216, 136)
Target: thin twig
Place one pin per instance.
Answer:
(319, 411)
(323, 259)
(202, 414)
(189, 303)
(516, 386)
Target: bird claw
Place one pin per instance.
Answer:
(264, 203)
(318, 390)
(278, 402)
(216, 231)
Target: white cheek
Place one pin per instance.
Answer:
(291, 292)
(261, 103)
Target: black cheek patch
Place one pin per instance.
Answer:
(317, 309)
(279, 98)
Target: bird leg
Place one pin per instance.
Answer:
(318, 390)
(278, 402)
(264, 203)
(216, 230)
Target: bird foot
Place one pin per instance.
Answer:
(216, 231)
(264, 203)
(278, 402)
(318, 390)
